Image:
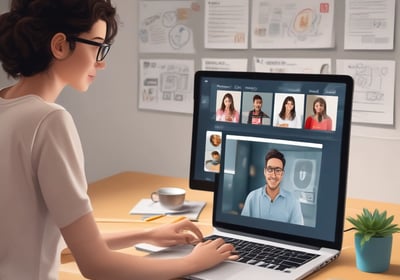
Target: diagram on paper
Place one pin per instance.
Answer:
(166, 85)
(292, 24)
(373, 97)
(163, 27)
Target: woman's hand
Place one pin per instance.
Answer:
(210, 253)
(204, 255)
(182, 232)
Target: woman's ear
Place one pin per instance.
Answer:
(59, 46)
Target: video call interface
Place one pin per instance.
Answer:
(238, 121)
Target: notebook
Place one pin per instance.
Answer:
(190, 209)
(297, 229)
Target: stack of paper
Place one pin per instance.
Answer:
(190, 209)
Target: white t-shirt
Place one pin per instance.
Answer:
(43, 186)
(295, 123)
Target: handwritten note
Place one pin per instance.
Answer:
(226, 24)
(369, 24)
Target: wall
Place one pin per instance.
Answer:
(3, 77)
(117, 136)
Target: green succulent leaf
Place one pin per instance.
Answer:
(373, 224)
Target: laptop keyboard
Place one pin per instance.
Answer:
(267, 256)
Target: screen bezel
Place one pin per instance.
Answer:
(345, 139)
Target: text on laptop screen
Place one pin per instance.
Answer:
(240, 117)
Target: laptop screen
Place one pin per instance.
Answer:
(274, 148)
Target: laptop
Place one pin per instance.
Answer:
(299, 231)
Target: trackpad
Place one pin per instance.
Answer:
(225, 270)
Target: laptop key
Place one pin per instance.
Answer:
(267, 256)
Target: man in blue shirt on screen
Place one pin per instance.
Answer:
(271, 201)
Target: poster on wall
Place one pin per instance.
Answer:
(374, 81)
(166, 85)
(164, 28)
(224, 64)
(293, 65)
(226, 24)
(292, 24)
(369, 25)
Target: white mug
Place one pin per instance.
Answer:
(171, 198)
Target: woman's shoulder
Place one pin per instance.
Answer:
(38, 110)
(41, 106)
(32, 103)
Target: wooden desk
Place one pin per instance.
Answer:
(113, 197)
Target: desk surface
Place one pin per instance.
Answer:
(113, 197)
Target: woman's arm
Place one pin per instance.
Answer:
(236, 116)
(329, 125)
(308, 122)
(183, 232)
(97, 261)
(220, 115)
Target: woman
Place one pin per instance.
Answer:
(47, 45)
(320, 120)
(287, 116)
(227, 111)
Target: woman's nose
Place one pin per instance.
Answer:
(100, 64)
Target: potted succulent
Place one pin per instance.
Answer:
(373, 240)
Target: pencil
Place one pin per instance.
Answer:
(152, 218)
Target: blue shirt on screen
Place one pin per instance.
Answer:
(285, 208)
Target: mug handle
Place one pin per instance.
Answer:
(154, 196)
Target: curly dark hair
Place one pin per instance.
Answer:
(27, 29)
(275, 154)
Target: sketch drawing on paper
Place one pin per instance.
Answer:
(164, 27)
(369, 81)
(166, 85)
(305, 24)
(292, 24)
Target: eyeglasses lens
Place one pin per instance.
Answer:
(276, 170)
(103, 51)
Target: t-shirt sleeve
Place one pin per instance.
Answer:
(58, 165)
(246, 211)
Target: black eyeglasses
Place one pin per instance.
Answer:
(103, 47)
(277, 170)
